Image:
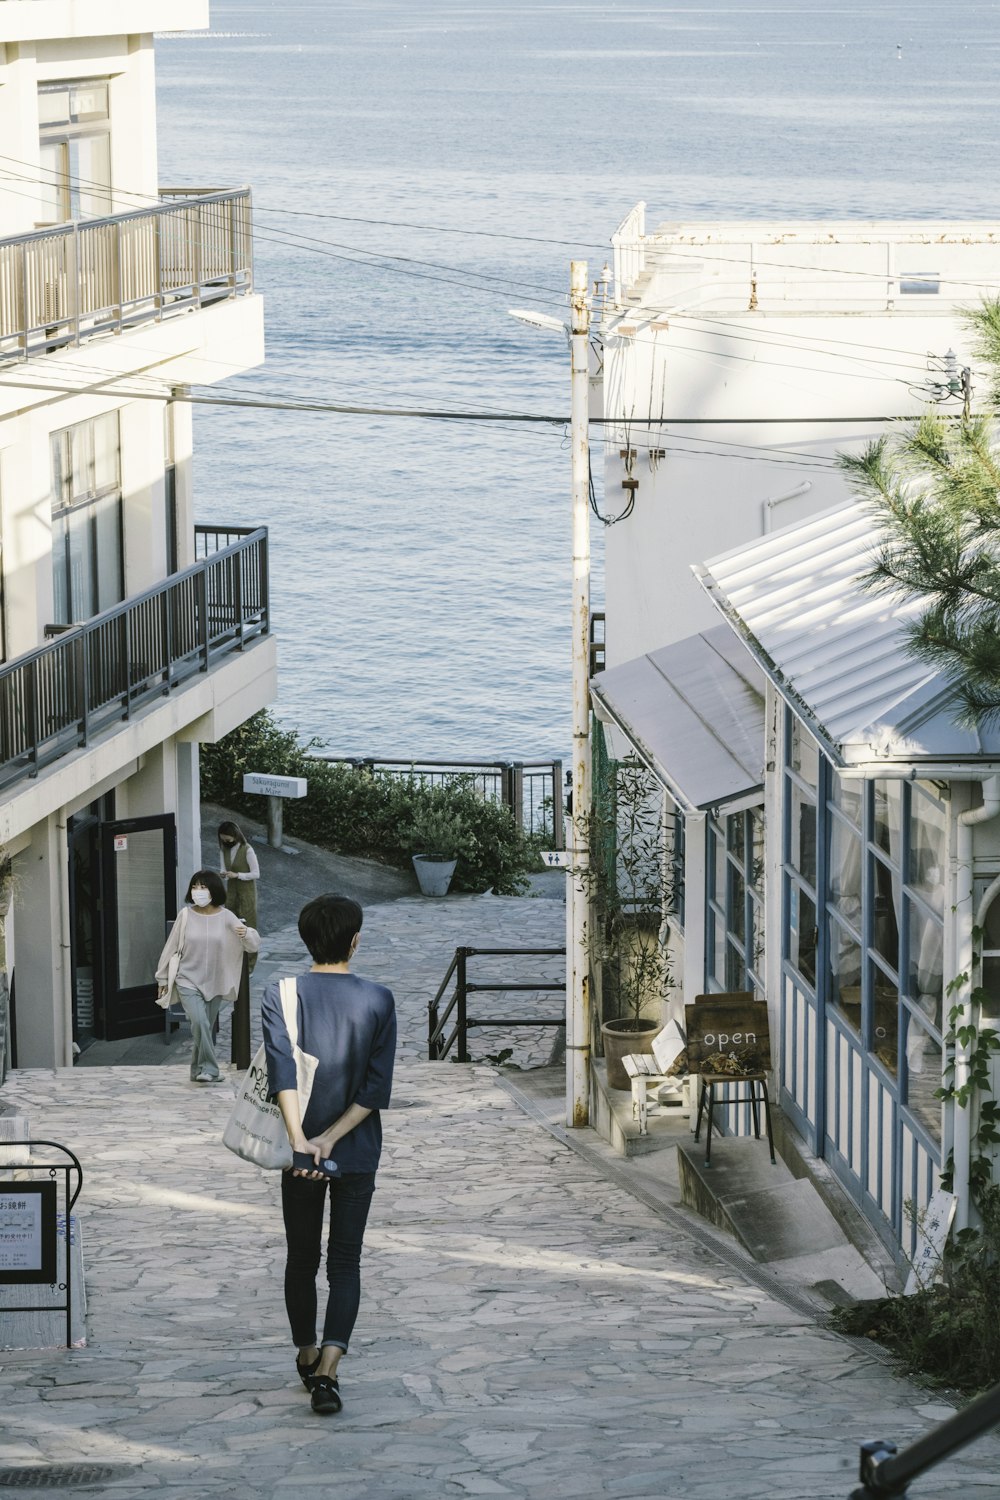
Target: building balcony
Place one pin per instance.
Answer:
(65, 285)
(96, 676)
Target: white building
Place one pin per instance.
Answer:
(824, 798)
(129, 635)
(739, 358)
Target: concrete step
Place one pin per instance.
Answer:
(772, 1214)
(611, 1116)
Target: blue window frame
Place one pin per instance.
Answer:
(734, 948)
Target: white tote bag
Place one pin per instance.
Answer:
(255, 1130)
(170, 996)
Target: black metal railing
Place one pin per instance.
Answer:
(55, 699)
(440, 1041)
(531, 789)
(886, 1472)
(72, 282)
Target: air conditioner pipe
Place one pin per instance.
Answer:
(964, 956)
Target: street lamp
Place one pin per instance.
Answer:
(577, 842)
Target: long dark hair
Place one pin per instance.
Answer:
(231, 831)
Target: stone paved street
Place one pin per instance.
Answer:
(528, 1327)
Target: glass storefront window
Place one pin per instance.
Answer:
(802, 932)
(923, 1076)
(887, 895)
(803, 847)
(884, 1018)
(804, 755)
(755, 864)
(888, 820)
(927, 849)
(926, 964)
(845, 871)
(848, 797)
(734, 951)
(845, 962)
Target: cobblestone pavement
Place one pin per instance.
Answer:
(528, 1329)
(408, 945)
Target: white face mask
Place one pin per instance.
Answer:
(200, 896)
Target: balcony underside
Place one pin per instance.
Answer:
(113, 687)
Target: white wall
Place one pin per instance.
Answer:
(751, 407)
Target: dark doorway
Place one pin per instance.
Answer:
(138, 859)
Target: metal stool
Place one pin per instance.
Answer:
(707, 1096)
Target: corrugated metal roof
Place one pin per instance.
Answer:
(837, 652)
(694, 710)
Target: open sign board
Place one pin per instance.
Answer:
(728, 1038)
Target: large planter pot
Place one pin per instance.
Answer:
(622, 1038)
(434, 873)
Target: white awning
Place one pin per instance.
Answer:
(694, 711)
(838, 653)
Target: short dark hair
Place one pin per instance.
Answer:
(213, 883)
(327, 925)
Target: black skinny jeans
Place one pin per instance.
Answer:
(302, 1205)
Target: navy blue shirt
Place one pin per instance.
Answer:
(349, 1025)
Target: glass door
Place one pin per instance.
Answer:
(139, 862)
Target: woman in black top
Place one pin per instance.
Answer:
(349, 1025)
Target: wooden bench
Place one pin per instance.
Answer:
(652, 1070)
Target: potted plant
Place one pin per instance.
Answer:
(438, 837)
(632, 897)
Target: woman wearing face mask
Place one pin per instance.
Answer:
(240, 872)
(210, 942)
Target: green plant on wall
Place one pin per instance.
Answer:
(977, 1092)
(630, 885)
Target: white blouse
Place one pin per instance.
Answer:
(211, 953)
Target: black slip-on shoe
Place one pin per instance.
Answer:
(307, 1373)
(326, 1396)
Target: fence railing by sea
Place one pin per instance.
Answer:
(532, 789)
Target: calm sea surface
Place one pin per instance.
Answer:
(421, 569)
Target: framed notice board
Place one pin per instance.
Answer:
(28, 1232)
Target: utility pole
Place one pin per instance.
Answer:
(578, 833)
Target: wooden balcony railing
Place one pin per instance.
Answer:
(60, 287)
(92, 676)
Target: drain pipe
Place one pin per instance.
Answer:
(768, 507)
(962, 1129)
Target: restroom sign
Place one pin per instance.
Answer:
(121, 843)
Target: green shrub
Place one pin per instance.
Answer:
(377, 816)
(948, 1333)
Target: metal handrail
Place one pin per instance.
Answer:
(68, 283)
(54, 699)
(438, 1044)
(513, 784)
(886, 1472)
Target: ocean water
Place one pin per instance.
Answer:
(418, 169)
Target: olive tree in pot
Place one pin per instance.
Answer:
(633, 896)
(438, 836)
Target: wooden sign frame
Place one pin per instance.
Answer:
(728, 1036)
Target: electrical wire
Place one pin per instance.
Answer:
(332, 249)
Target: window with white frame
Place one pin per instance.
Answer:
(87, 561)
(734, 948)
(75, 150)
